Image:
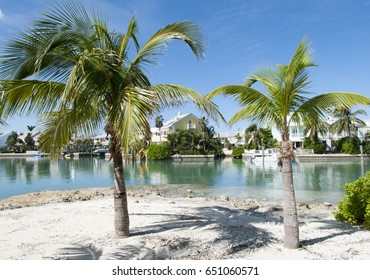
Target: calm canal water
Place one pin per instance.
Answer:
(314, 182)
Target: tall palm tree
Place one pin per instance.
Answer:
(159, 123)
(285, 100)
(347, 120)
(81, 77)
(203, 122)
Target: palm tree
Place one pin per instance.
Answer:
(315, 128)
(159, 123)
(283, 101)
(347, 120)
(253, 135)
(203, 122)
(13, 142)
(69, 68)
(30, 128)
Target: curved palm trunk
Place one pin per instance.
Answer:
(291, 229)
(121, 216)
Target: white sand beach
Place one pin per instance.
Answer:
(79, 225)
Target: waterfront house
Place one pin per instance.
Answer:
(180, 121)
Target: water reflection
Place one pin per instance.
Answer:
(314, 182)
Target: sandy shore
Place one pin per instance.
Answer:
(79, 225)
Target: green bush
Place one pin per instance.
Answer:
(348, 145)
(367, 147)
(238, 152)
(317, 146)
(157, 152)
(355, 208)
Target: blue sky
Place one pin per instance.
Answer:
(241, 35)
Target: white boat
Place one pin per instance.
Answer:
(269, 157)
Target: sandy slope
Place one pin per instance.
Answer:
(62, 225)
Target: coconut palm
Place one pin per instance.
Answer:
(69, 68)
(347, 120)
(159, 123)
(285, 100)
(253, 136)
(30, 128)
(315, 128)
(203, 122)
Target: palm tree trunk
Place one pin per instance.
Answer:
(121, 216)
(291, 229)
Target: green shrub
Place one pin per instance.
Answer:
(355, 208)
(317, 146)
(157, 152)
(367, 147)
(348, 145)
(238, 152)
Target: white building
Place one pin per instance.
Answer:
(235, 138)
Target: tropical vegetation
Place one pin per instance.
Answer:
(80, 77)
(191, 142)
(347, 120)
(285, 100)
(14, 143)
(258, 137)
(237, 152)
(159, 123)
(158, 152)
(348, 145)
(355, 208)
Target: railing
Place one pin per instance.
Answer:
(191, 126)
(297, 135)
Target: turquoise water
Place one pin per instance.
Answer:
(314, 182)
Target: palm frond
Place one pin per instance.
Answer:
(131, 33)
(186, 31)
(169, 95)
(130, 116)
(256, 106)
(58, 128)
(30, 96)
(330, 100)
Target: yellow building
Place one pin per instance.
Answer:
(181, 122)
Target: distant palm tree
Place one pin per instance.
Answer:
(315, 128)
(159, 123)
(285, 101)
(253, 135)
(13, 142)
(30, 128)
(347, 120)
(203, 122)
(81, 77)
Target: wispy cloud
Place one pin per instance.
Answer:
(1, 14)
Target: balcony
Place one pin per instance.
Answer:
(191, 126)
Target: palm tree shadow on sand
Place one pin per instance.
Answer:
(234, 229)
(339, 229)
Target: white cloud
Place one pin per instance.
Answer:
(1, 14)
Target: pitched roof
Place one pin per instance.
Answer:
(175, 119)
